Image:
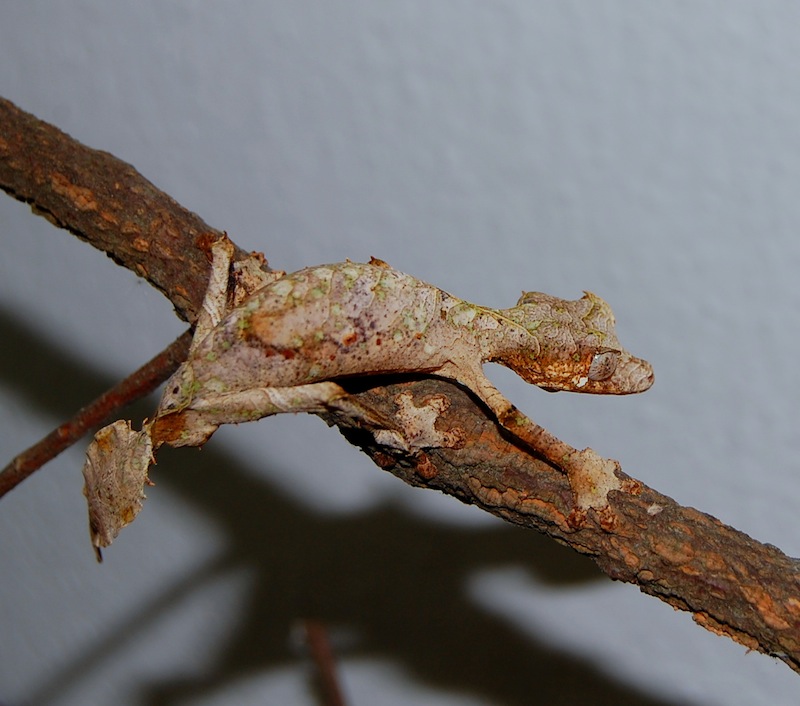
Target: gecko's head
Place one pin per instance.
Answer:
(572, 345)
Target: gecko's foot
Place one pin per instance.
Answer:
(591, 478)
(417, 425)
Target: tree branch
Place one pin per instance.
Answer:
(731, 584)
(106, 202)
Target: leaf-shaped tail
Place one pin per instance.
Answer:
(115, 474)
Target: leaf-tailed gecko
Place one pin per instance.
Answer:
(283, 347)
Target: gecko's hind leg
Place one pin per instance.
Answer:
(194, 425)
(215, 300)
(118, 458)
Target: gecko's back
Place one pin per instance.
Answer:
(323, 323)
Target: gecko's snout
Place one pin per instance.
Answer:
(638, 376)
(631, 376)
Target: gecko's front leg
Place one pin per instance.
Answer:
(119, 458)
(591, 477)
(194, 424)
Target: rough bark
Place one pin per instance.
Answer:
(732, 584)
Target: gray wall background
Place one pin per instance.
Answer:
(649, 152)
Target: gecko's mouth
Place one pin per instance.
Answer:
(631, 376)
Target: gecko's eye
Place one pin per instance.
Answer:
(603, 365)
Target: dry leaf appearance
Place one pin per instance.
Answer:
(282, 348)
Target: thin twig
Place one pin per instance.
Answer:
(134, 387)
(320, 647)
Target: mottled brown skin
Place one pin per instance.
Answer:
(335, 321)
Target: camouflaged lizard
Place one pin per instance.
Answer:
(284, 346)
